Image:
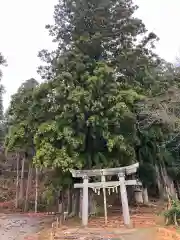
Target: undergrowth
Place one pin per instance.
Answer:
(172, 214)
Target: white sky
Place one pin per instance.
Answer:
(23, 34)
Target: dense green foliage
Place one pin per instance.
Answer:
(88, 111)
(172, 215)
(20, 119)
(97, 74)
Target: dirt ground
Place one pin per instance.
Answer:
(143, 220)
(145, 223)
(18, 226)
(105, 234)
(25, 226)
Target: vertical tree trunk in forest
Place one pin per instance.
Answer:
(178, 188)
(93, 209)
(21, 195)
(77, 200)
(145, 196)
(75, 203)
(17, 180)
(70, 196)
(36, 194)
(159, 183)
(169, 185)
(138, 195)
(28, 187)
(60, 200)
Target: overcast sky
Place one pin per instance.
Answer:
(22, 34)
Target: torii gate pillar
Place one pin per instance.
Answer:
(124, 199)
(85, 202)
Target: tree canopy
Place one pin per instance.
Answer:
(96, 107)
(20, 119)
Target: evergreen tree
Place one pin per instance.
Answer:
(104, 30)
(20, 120)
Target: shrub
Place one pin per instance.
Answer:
(172, 215)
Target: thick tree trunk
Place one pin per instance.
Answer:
(159, 183)
(60, 200)
(70, 196)
(92, 204)
(169, 185)
(80, 203)
(145, 196)
(28, 187)
(138, 195)
(36, 194)
(17, 180)
(178, 188)
(61, 206)
(21, 195)
(75, 203)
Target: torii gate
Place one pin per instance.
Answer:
(120, 172)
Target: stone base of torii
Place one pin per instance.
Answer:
(122, 183)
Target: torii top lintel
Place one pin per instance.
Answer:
(128, 170)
